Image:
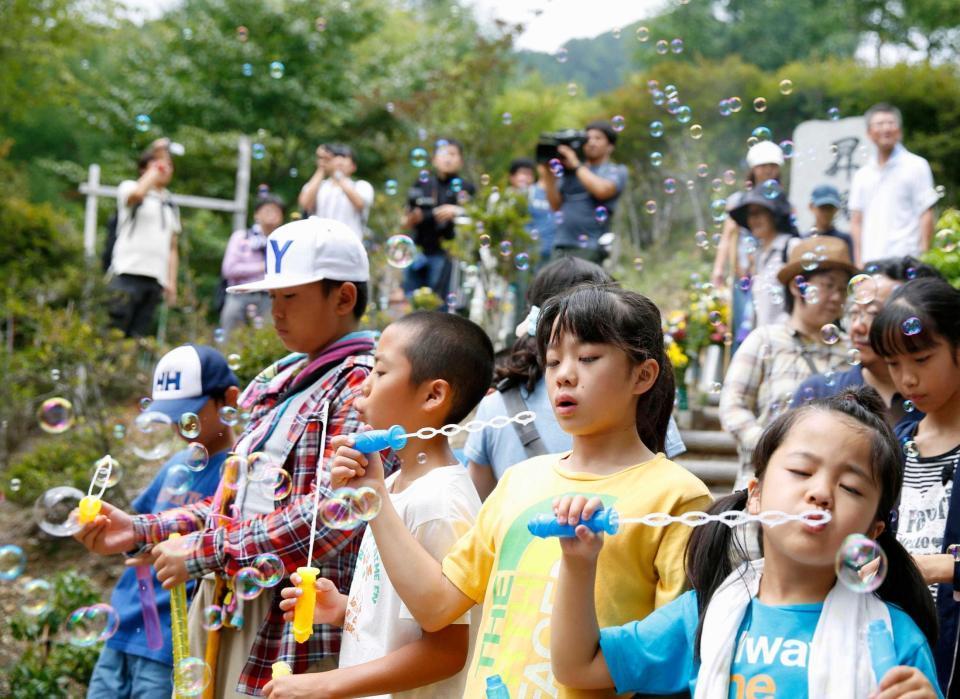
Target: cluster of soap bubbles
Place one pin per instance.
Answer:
(264, 572)
(89, 625)
(348, 508)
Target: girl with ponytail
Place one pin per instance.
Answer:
(782, 625)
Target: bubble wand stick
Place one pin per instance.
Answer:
(178, 625)
(148, 607)
(90, 504)
(396, 437)
(303, 611)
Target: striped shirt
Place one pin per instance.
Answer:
(924, 472)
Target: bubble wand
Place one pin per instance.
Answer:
(609, 521)
(178, 625)
(90, 504)
(148, 607)
(303, 611)
(396, 437)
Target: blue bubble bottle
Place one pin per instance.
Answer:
(496, 689)
(546, 525)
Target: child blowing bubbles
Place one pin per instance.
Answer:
(431, 369)
(611, 387)
(780, 626)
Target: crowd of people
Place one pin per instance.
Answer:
(842, 396)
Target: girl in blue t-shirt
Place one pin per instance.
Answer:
(780, 626)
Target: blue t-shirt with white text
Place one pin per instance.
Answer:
(655, 655)
(166, 491)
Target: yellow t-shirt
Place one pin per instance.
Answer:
(500, 565)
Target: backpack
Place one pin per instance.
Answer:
(106, 257)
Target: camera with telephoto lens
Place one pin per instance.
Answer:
(548, 142)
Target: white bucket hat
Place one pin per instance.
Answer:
(764, 153)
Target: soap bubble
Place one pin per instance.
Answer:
(908, 406)
(762, 133)
(418, 157)
(151, 438)
(561, 55)
(862, 288)
(830, 334)
(811, 294)
(786, 86)
(911, 326)
(522, 261)
(760, 104)
(258, 151)
(37, 596)
(714, 317)
(676, 45)
(809, 261)
(55, 511)
(506, 118)
(861, 564)
(243, 33)
(643, 33)
(770, 189)
(15, 484)
(390, 187)
(229, 415)
(189, 425)
(212, 617)
(729, 177)
(506, 248)
(662, 46)
(696, 132)
(401, 251)
(618, 123)
(853, 357)
(833, 113)
(638, 264)
(484, 240)
(277, 483)
(423, 176)
(247, 583)
(89, 625)
(276, 70)
(572, 89)
(234, 360)
(601, 214)
(178, 480)
(484, 180)
(656, 129)
(911, 273)
(365, 503)
(583, 240)
(946, 239)
(911, 449)
(196, 457)
(55, 415)
(744, 283)
(670, 185)
(650, 207)
(556, 167)
(718, 209)
(191, 676)
(13, 561)
(142, 122)
(456, 185)
(656, 158)
(247, 69)
(701, 239)
(106, 472)
(271, 569)
(336, 513)
(787, 147)
(684, 114)
(119, 431)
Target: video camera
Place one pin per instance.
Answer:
(548, 142)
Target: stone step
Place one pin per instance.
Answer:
(709, 442)
(715, 473)
(707, 418)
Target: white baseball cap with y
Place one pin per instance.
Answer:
(306, 251)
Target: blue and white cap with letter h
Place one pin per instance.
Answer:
(186, 377)
(306, 251)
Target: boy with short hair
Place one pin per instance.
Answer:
(431, 369)
(316, 273)
(824, 204)
(189, 379)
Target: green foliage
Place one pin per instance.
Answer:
(945, 253)
(49, 667)
(497, 219)
(256, 348)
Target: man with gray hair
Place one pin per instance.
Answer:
(892, 196)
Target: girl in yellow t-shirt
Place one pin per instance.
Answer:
(612, 388)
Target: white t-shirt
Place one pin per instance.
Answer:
(892, 198)
(437, 508)
(332, 202)
(143, 245)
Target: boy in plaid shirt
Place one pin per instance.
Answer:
(317, 273)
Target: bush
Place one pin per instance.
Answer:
(945, 254)
(49, 667)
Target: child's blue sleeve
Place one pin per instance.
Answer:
(912, 647)
(653, 655)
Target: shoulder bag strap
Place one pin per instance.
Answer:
(528, 434)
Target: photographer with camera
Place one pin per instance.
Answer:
(431, 207)
(583, 188)
(333, 193)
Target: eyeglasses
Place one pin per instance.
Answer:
(863, 315)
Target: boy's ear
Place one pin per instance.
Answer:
(230, 396)
(438, 395)
(647, 373)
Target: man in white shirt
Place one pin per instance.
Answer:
(891, 197)
(145, 260)
(333, 193)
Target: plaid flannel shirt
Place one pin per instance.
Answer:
(763, 376)
(285, 531)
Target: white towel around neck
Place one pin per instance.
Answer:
(839, 663)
